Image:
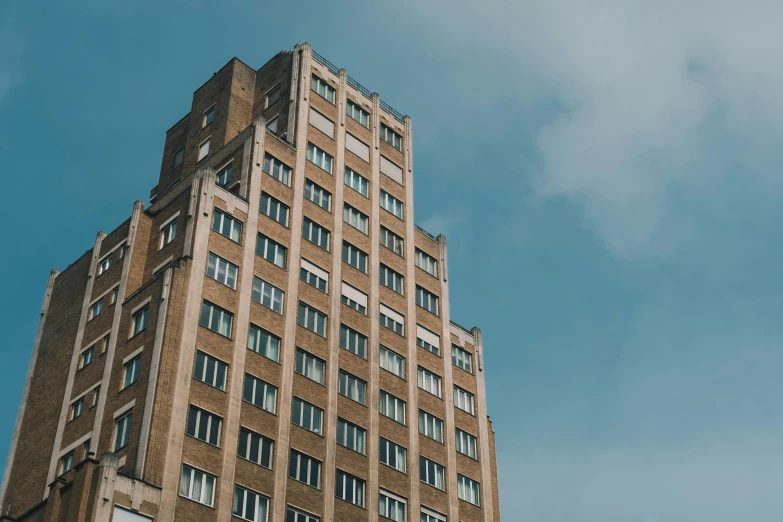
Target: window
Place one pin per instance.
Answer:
(359, 183)
(179, 157)
(272, 96)
(313, 275)
(85, 358)
(357, 147)
(263, 342)
(209, 115)
(356, 219)
(96, 394)
(352, 387)
(115, 294)
(392, 362)
(139, 320)
(277, 169)
(250, 505)
(354, 298)
(318, 195)
(66, 463)
(274, 208)
(353, 341)
(204, 425)
(203, 149)
(104, 264)
(427, 340)
(427, 300)
(354, 257)
(349, 488)
(391, 169)
(393, 455)
(307, 416)
(468, 490)
(321, 122)
(463, 400)
(121, 251)
(130, 371)
(297, 515)
(392, 241)
(391, 506)
(310, 366)
(461, 358)
(315, 233)
(222, 270)
(272, 125)
(259, 393)
(271, 250)
(322, 88)
(105, 344)
(305, 469)
(391, 204)
(77, 407)
(392, 407)
(96, 309)
(224, 175)
(429, 382)
(268, 295)
(466, 444)
(122, 431)
(351, 436)
(197, 485)
(426, 263)
(312, 319)
(210, 371)
(391, 137)
(319, 157)
(357, 113)
(392, 320)
(427, 515)
(226, 225)
(430, 426)
(391, 279)
(168, 233)
(432, 473)
(216, 319)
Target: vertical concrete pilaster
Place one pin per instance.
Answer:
(487, 497)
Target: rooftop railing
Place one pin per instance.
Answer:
(431, 236)
(461, 327)
(323, 61)
(359, 87)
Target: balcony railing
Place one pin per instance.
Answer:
(431, 236)
(323, 61)
(359, 87)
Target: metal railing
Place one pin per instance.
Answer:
(431, 236)
(461, 327)
(359, 87)
(388, 108)
(323, 61)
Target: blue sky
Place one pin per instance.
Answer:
(608, 176)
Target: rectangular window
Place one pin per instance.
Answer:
(203, 149)
(77, 407)
(315, 233)
(319, 157)
(197, 485)
(357, 147)
(426, 263)
(322, 88)
(272, 125)
(428, 340)
(249, 505)
(105, 344)
(274, 208)
(85, 358)
(122, 431)
(139, 320)
(357, 113)
(272, 96)
(271, 250)
(224, 175)
(96, 309)
(352, 387)
(354, 298)
(131, 371)
(297, 515)
(314, 275)
(391, 204)
(349, 488)
(466, 444)
(104, 264)
(310, 366)
(312, 319)
(277, 169)
(432, 473)
(227, 226)
(353, 341)
(392, 241)
(430, 426)
(115, 294)
(427, 300)
(66, 463)
(392, 407)
(96, 394)
(461, 358)
(392, 362)
(307, 416)
(391, 506)
(391, 137)
(427, 515)
(304, 468)
(463, 400)
(216, 319)
(354, 257)
(391, 279)
(393, 455)
(468, 490)
(351, 436)
(263, 342)
(209, 116)
(179, 157)
(318, 195)
(321, 122)
(356, 219)
(357, 182)
(259, 393)
(268, 295)
(204, 425)
(391, 169)
(222, 270)
(392, 320)
(210, 371)
(429, 382)
(255, 447)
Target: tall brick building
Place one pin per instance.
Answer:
(270, 339)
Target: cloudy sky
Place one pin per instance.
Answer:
(608, 175)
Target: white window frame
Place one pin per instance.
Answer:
(259, 499)
(466, 444)
(320, 158)
(464, 400)
(104, 264)
(357, 182)
(203, 149)
(392, 205)
(356, 218)
(318, 84)
(392, 241)
(272, 251)
(389, 359)
(234, 225)
(428, 340)
(426, 262)
(270, 349)
(317, 233)
(211, 418)
(400, 455)
(430, 382)
(353, 341)
(352, 387)
(315, 275)
(206, 117)
(353, 252)
(314, 466)
(315, 193)
(214, 265)
(222, 316)
(354, 436)
(432, 516)
(438, 472)
(358, 487)
(307, 368)
(431, 426)
(268, 295)
(131, 369)
(277, 169)
(274, 209)
(352, 108)
(319, 318)
(261, 389)
(305, 413)
(427, 300)
(462, 358)
(202, 493)
(389, 505)
(354, 298)
(391, 279)
(392, 319)
(204, 376)
(467, 486)
(392, 407)
(357, 147)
